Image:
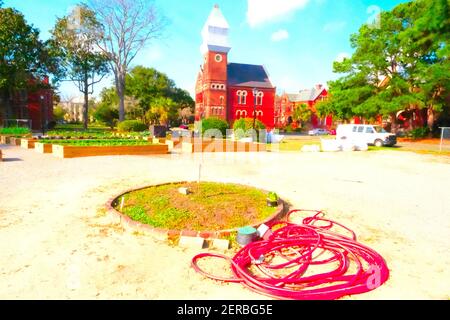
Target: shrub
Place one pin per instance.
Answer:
(242, 128)
(132, 126)
(107, 115)
(15, 131)
(213, 124)
(419, 133)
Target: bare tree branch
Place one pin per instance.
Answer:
(127, 27)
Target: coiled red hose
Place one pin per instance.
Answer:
(306, 261)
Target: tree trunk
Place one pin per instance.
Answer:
(86, 103)
(120, 89)
(394, 126)
(431, 118)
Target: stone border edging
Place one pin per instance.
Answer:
(163, 234)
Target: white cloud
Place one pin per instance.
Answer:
(280, 35)
(341, 56)
(262, 11)
(334, 26)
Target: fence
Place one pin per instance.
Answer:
(22, 123)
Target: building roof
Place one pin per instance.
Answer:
(215, 33)
(216, 19)
(248, 75)
(306, 95)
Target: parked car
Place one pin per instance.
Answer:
(318, 132)
(370, 134)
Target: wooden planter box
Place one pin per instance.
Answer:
(222, 146)
(158, 140)
(15, 141)
(5, 139)
(43, 147)
(27, 143)
(79, 152)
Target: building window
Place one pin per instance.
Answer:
(259, 113)
(222, 100)
(242, 97)
(259, 98)
(218, 58)
(241, 114)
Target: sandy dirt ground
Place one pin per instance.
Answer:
(56, 242)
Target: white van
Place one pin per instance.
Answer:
(370, 134)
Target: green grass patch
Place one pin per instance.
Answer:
(209, 206)
(293, 145)
(15, 131)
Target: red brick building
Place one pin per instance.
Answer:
(32, 107)
(286, 103)
(230, 91)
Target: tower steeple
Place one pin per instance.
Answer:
(215, 33)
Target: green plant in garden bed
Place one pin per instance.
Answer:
(15, 131)
(98, 143)
(80, 134)
(208, 206)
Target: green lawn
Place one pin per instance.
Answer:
(289, 145)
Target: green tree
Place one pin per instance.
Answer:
(148, 84)
(73, 43)
(162, 111)
(401, 65)
(428, 39)
(22, 56)
(301, 114)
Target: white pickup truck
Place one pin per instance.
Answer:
(370, 134)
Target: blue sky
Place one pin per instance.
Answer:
(297, 40)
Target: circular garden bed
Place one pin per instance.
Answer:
(208, 207)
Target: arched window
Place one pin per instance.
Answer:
(259, 98)
(222, 100)
(244, 97)
(241, 114)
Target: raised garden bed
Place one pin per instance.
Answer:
(222, 146)
(43, 148)
(93, 148)
(27, 143)
(4, 139)
(209, 211)
(15, 141)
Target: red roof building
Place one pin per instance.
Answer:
(286, 103)
(230, 91)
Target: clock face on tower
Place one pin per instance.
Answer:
(218, 58)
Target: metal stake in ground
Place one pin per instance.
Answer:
(442, 137)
